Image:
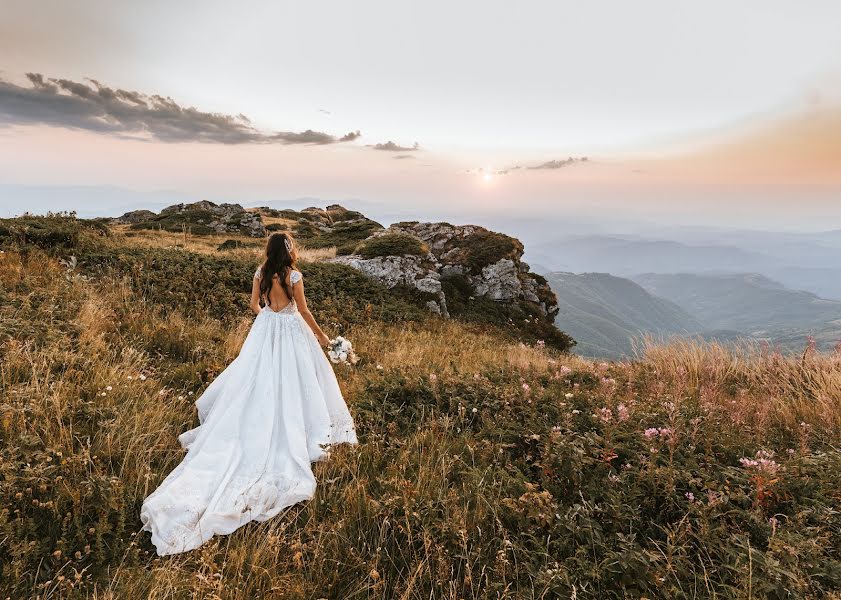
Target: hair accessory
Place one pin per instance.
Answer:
(288, 244)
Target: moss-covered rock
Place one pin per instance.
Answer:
(392, 244)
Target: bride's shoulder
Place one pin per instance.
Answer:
(259, 272)
(295, 276)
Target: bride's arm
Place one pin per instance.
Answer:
(301, 302)
(255, 295)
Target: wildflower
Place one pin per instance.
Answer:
(379, 367)
(526, 387)
(189, 393)
(665, 432)
(690, 496)
(129, 377)
(763, 463)
(651, 432)
(568, 395)
(565, 370)
(790, 451)
(540, 344)
(576, 412)
(605, 415)
(613, 477)
(475, 410)
(180, 397)
(141, 377)
(622, 412)
(433, 377)
(109, 388)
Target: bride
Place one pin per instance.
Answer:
(263, 420)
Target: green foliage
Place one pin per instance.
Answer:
(393, 244)
(517, 320)
(345, 236)
(483, 248)
(53, 232)
(230, 245)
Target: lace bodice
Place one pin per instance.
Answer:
(294, 276)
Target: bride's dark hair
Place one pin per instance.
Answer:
(280, 258)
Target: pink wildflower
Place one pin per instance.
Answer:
(622, 412)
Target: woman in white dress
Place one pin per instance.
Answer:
(263, 420)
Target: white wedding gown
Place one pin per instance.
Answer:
(263, 420)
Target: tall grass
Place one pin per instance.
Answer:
(487, 468)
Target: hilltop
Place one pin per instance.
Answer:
(463, 271)
(491, 464)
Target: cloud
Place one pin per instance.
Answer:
(559, 164)
(349, 137)
(390, 146)
(93, 106)
(403, 156)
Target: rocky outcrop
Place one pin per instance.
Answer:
(410, 271)
(135, 216)
(221, 218)
(489, 262)
(200, 218)
(315, 227)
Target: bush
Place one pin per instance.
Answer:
(53, 232)
(230, 245)
(393, 244)
(484, 248)
(345, 235)
(518, 320)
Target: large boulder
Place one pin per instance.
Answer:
(489, 261)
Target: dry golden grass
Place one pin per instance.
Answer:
(251, 248)
(772, 390)
(450, 347)
(418, 510)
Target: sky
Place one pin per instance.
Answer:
(715, 113)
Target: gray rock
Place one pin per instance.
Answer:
(135, 216)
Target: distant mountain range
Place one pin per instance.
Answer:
(751, 303)
(809, 262)
(605, 313)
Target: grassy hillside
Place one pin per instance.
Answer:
(487, 467)
(605, 314)
(752, 304)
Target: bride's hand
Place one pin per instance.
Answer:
(323, 340)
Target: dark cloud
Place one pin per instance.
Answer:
(93, 106)
(559, 164)
(390, 146)
(349, 137)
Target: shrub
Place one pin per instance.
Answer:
(53, 232)
(393, 244)
(345, 235)
(483, 248)
(518, 320)
(230, 245)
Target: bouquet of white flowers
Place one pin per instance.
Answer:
(340, 350)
